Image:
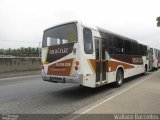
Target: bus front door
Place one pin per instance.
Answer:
(100, 60)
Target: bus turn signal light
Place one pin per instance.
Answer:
(76, 67)
(77, 62)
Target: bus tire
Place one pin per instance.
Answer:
(119, 78)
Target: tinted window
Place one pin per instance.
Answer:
(105, 38)
(128, 47)
(111, 47)
(118, 45)
(88, 42)
(134, 48)
(145, 50)
(140, 49)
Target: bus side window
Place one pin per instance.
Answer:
(140, 49)
(128, 47)
(145, 53)
(118, 45)
(88, 42)
(134, 48)
(111, 47)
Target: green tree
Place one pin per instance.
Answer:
(158, 21)
(2, 51)
(21, 52)
(22, 49)
(9, 51)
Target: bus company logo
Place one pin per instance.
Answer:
(58, 51)
(137, 60)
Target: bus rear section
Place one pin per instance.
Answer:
(60, 54)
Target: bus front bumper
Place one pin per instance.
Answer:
(63, 79)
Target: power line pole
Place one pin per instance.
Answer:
(39, 49)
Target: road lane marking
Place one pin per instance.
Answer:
(26, 76)
(91, 108)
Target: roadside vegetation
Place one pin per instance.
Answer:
(21, 52)
(158, 21)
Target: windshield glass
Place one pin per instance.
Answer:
(60, 35)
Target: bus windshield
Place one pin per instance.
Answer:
(62, 34)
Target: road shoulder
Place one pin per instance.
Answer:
(141, 97)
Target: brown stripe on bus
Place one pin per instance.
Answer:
(109, 64)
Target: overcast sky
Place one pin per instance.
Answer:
(25, 20)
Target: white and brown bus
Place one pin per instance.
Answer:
(75, 53)
(155, 58)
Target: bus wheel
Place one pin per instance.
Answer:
(119, 78)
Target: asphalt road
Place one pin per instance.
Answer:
(32, 95)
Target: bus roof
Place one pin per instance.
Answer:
(95, 28)
(121, 36)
